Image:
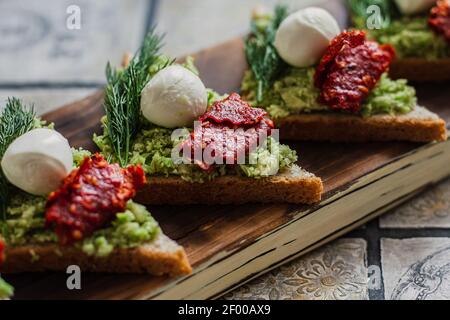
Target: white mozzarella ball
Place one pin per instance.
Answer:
(409, 7)
(38, 161)
(174, 97)
(303, 37)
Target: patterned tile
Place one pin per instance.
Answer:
(45, 100)
(429, 210)
(416, 269)
(37, 45)
(337, 271)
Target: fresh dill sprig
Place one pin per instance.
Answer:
(261, 53)
(15, 120)
(358, 9)
(123, 94)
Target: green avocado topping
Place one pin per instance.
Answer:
(268, 161)
(412, 38)
(294, 92)
(26, 225)
(6, 290)
(390, 97)
(130, 229)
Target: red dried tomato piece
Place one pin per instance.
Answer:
(2, 250)
(351, 39)
(90, 197)
(233, 110)
(226, 143)
(229, 130)
(347, 79)
(439, 19)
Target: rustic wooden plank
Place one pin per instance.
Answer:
(78, 121)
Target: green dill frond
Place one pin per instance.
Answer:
(123, 94)
(261, 53)
(15, 120)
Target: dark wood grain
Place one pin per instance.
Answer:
(207, 230)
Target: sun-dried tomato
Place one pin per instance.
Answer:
(350, 39)
(350, 69)
(439, 19)
(90, 197)
(231, 128)
(233, 110)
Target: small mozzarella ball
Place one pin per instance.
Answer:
(303, 37)
(174, 97)
(38, 161)
(408, 7)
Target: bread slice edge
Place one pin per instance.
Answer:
(162, 256)
(296, 186)
(421, 69)
(420, 125)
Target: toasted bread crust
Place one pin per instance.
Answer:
(418, 126)
(162, 257)
(421, 70)
(296, 186)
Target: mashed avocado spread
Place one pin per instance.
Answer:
(25, 224)
(412, 38)
(6, 290)
(294, 92)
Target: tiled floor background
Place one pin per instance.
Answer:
(403, 255)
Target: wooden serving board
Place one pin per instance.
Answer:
(216, 232)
